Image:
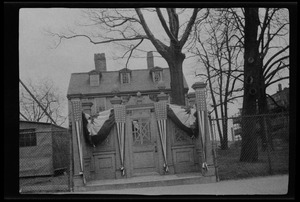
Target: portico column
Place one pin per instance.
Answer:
(204, 130)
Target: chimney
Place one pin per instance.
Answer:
(100, 62)
(279, 87)
(150, 61)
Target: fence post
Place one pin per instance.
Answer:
(211, 122)
(268, 147)
(232, 135)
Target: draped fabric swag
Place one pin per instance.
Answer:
(97, 128)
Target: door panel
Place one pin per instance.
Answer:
(139, 159)
(144, 148)
(105, 166)
(183, 150)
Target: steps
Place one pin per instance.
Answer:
(146, 181)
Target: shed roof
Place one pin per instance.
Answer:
(141, 80)
(34, 123)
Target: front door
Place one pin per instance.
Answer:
(144, 147)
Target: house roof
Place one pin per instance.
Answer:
(156, 69)
(141, 80)
(41, 123)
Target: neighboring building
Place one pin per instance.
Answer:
(280, 101)
(277, 103)
(43, 148)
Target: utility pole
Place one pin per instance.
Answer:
(24, 117)
(37, 102)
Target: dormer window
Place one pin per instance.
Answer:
(125, 78)
(157, 77)
(125, 75)
(94, 78)
(157, 74)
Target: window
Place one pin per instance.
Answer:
(125, 78)
(27, 138)
(156, 76)
(124, 75)
(94, 80)
(141, 131)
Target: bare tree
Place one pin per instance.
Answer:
(48, 96)
(252, 65)
(266, 62)
(226, 35)
(273, 49)
(129, 25)
(220, 54)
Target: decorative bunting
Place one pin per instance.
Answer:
(96, 128)
(200, 99)
(77, 114)
(185, 119)
(120, 113)
(161, 116)
(203, 142)
(201, 108)
(161, 110)
(120, 118)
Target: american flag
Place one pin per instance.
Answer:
(77, 114)
(120, 118)
(161, 116)
(201, 109)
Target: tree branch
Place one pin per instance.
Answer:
(161, 48)
(97, 42)
(188, 28)
(267, 69)
(164, 24)
(275, 55)
(132, 51)
(173, 21)
(282, 78)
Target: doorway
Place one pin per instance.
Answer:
(144, 155)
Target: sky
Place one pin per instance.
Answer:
(40, 60)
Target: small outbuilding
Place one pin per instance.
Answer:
(44, 148)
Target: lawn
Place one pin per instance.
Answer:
(229, 166)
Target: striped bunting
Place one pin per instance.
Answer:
(161, 116)
(76, 106)
(120, 118)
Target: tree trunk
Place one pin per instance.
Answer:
(249, 151)
(176, 76)
(224, 142)
(263, 110)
